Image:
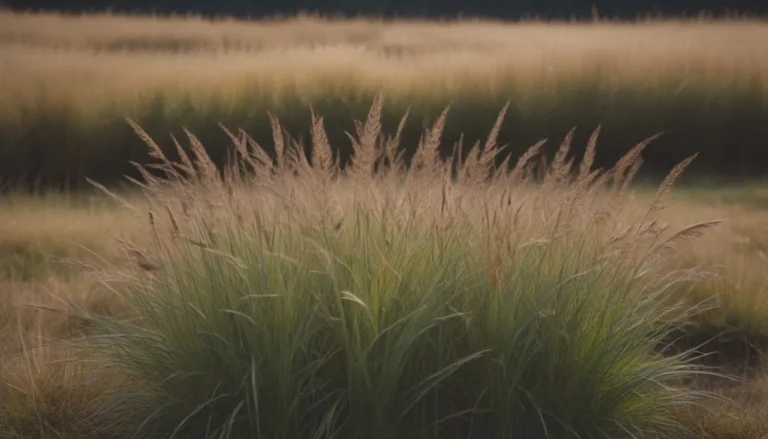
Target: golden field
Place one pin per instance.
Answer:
(71, 81)
(108, 60)
(375, 283)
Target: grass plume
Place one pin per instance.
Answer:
(431, 307)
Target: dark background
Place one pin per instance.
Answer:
(505, 9)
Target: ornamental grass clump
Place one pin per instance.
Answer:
(285, 297)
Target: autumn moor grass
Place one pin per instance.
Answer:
(301, 300)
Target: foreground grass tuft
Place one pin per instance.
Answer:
(285, 299)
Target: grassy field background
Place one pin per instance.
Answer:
(68, 83)
(299, 302)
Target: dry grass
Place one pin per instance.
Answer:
(71, 81)
(106, 31)
(741, 412)
(52, 248)
(734, 254)
(46, 392)
(309, 54)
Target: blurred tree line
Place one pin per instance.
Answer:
(505, 9)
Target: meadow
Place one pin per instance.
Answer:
(332, 244)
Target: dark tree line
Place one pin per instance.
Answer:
(505, 9)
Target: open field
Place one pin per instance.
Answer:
(67, 83)
(405, 295)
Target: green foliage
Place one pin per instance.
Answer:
(390, 325)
